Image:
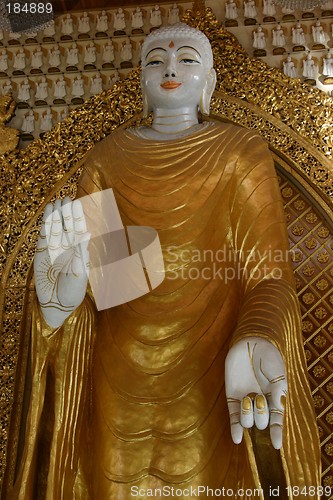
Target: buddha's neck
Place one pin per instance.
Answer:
(173, 121)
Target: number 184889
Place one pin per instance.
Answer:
(29, 8)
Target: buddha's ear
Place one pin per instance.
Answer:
(145, 104)
(207, 92)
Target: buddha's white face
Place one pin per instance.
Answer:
(173, 73)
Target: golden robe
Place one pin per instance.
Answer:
(139, 399)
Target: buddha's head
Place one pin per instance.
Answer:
(177, 69)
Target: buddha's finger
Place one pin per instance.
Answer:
(234, 415)
(82, 236)
(67, 215)
(80, 227)
(261, 411)
(80, 262)
(277, 402)
(56, 228)
(276, 433)
(45, 228)
(246, 414)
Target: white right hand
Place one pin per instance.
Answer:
(256, 388)
(61, 260)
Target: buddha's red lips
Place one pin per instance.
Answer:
(170, 85)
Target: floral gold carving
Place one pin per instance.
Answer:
(297, 256)
(308, 270)
(9, 137)
(323, 232)
(328, 480)
(311, 243)
(319, 371)
(329, 387)
(322, 284)
(287, 192)
(329, 450)
(318, 401)
(308, 298)
(299, 205)
(308, 355)
(320, 313)
(307, 326)
(311, 217)
(323, 257)
(320, 341)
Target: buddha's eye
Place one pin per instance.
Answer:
(187, 60)
(154, 63)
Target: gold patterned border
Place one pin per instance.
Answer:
(311, 244)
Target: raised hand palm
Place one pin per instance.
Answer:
(61, 260)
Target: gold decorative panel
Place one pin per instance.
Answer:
(311, 245)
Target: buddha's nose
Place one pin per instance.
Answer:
(170, 70)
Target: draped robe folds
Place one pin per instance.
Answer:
(149, 409)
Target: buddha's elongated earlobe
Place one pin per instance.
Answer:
(207, 92)
(145, 105)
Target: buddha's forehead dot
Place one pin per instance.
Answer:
(171, 44)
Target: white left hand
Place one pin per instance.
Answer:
(256, 387)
